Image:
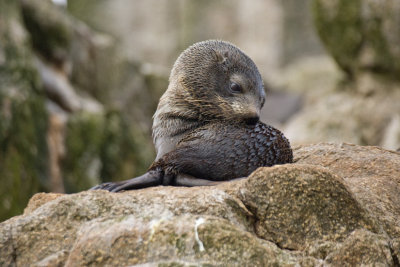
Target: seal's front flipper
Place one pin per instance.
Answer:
(106, 186)
(150, 178)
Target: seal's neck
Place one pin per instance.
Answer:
(171, 122)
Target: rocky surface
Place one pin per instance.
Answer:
(338, 204)
(340, 115)
(371, 173)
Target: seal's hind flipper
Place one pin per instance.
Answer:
(150, 178)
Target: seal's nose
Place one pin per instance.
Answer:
(252, 120)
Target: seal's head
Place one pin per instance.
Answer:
(211, 81)
(215, 80)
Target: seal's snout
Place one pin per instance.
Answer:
(252, 120)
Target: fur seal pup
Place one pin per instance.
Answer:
(206, 128)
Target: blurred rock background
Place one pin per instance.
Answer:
(80, 80)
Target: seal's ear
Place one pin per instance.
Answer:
(221, 57)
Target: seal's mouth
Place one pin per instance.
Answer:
(252, 120)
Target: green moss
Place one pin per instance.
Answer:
(23, 119)
(23, 151)
(171, 264)
(83, 140)
(181, 264)
(340, 29)
(180, 244)
(100, 147)
(84, 11)
(49, 28)
(357, 34)
(226, 243)
(384, 62)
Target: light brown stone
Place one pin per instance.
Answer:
(337, 205)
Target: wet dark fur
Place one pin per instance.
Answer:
(205, 133)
